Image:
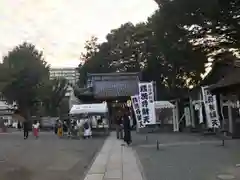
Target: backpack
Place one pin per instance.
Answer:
(86, 125)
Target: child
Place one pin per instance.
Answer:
(87, 130)
(60, 130)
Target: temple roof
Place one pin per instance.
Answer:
(115, 88)
(231, 79)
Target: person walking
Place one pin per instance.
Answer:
(56, 127)
(66, 128)
(25, 129)
(36, 126)
(127, 129)
(60, 129)
(119, 127)
(2, 125)
(19, 126)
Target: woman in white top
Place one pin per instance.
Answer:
(36, 129)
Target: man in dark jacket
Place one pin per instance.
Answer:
(119, 127)
(127, 128)
(25, 129)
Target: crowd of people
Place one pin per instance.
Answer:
(74, 128)
(81, 127)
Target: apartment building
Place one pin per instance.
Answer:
(71, 74)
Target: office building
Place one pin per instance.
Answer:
(71, 74)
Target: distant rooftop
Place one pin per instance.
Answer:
(115, 74)
(67, 68)
(229, 80)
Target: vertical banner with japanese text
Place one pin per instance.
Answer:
(210, 104)
(146, 102)
(137, 111)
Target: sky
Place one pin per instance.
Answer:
(60, 27)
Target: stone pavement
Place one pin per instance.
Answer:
(184, 156)
(115, 162)
(47, 158)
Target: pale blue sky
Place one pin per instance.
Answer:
(60, 27)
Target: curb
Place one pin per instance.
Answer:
(14, 132)
(93, 160)
(139, 164)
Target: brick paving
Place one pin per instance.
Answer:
(115, 162)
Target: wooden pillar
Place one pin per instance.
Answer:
(200, 112)
(176, 117)
(192, 112)
(230, 118)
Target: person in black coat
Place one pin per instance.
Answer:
(19, 126)
(127, 129)
(119, 129)
(25, 129)
(56, 127)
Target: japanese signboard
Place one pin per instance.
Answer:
(137, 111)
(146, 101)
(210, 104)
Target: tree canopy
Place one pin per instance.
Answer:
(23, 73)
(172, 47)
(52, 94)
(24, 79)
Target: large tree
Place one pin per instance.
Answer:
(23, 72)
(174, 46)
(161, 53)
(212, 24)
(52, 95)
(124, 51)
(173, 61)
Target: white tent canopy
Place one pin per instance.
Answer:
(163, 104)
(89, 108)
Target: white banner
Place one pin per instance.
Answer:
(210, 104)
(137, 111)
(146, 100)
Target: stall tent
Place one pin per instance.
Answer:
(163, 104)
(99, 108)
(166, 110)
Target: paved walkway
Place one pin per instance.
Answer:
(115, 162)
(57, 159)
(187, 156)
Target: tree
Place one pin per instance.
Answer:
(91, 48)
(174, 46)
(171, 53)
(212, 24)
(160, 52)
(23, 72)
(123, 52)
(52, 94)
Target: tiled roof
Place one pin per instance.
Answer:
(231, 79)
(115, 88)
